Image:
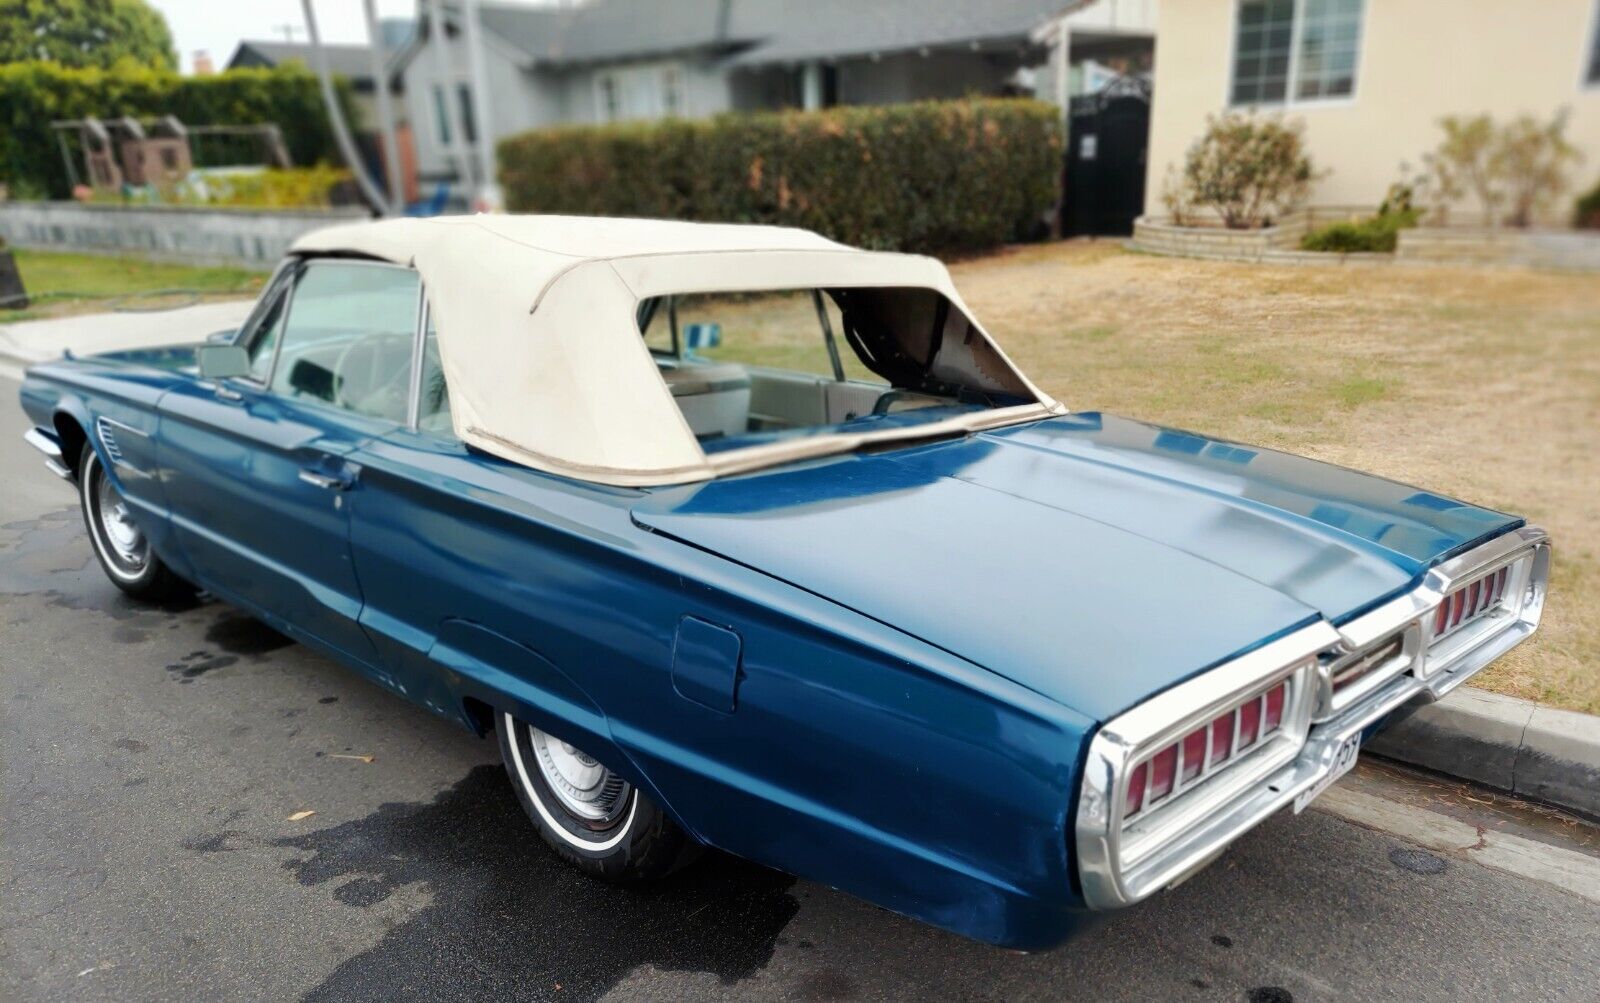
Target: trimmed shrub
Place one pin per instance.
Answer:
(1378, 233)
(1246, 169)
(1586, 211)
(931, 176)
(34, 94)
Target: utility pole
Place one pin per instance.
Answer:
(489, 198)
(341, 132)
(385, 109)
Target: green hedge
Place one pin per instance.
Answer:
(1380, 233)
(933, 176)
(34, 94)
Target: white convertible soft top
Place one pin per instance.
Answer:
(539, 339)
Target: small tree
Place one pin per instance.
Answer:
(1247, 168)
(1463, 164)
(1532, 157)
(1522, 165)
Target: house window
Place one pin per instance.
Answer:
(671, 92)
(1299, 50)
(441, 116)
(469, 126)
(610, 98)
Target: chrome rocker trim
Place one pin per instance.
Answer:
(1119, 866)
(46, 444)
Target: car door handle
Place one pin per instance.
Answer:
(328, 482)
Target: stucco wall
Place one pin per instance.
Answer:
(1419, 60)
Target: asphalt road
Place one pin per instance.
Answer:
(152, 758)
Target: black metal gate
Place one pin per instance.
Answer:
(1108, 142)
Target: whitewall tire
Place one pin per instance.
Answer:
(591, 816)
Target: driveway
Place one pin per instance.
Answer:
(153, 757)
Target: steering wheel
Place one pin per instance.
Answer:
(359, 375)
(889, 399)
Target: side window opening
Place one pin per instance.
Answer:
(433, 413)
(747, 369)
(261, 342)
(347, 336)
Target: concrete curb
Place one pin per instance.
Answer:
(1505, 743)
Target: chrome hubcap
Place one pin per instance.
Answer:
(587, 790)
(117, 526)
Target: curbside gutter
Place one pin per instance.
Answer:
(1502, 742)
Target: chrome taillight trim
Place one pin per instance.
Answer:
(1119, 865)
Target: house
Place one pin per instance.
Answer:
(618, 60)
(1370, 79)
(349, 61)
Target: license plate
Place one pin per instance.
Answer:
(1341, 765)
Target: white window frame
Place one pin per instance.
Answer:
(1289, 100)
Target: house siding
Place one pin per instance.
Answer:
(1420, 60)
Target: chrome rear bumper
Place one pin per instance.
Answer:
(46, 443)
(1113, 877)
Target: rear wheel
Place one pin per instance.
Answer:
(591, 816)
(120, 545)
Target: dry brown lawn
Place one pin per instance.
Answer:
(1483, 385)
(1480, 384)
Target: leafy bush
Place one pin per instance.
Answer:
(1586, 213)
(1378, 233)
(932, 176)
(275, 188)
(33, 94)
(1522, 164)
(1246, 169)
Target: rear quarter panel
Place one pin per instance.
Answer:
(856, 755)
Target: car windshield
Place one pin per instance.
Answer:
(752, 369)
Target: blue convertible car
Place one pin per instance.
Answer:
(737, 537)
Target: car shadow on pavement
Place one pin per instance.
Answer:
(507, 919)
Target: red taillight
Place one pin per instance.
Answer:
(1276, 698)
(1163, 771)
(1249, 723)
(1222, 738)
(1136, 788)
(1469, 601)
(1160, 776)
(1194, 754)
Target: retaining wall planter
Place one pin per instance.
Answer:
(1278, 245)
(252, 238)
(1568, 250)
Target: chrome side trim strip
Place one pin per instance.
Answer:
(46, 444)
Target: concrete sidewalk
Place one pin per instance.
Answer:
(33, 341)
